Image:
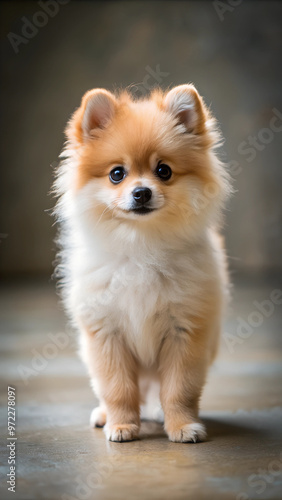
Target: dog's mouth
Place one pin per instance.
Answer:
(142, 210)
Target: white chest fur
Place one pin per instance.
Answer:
(143, 297)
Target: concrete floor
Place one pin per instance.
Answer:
(60, 457)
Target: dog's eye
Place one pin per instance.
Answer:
(117, 174)
(163, 171)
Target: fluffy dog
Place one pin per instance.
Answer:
(140, 196)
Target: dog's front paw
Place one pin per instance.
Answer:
(122, 432)
(98, 417)
(188, 433)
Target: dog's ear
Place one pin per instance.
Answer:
(185, 104)
(95, 113)
(99, 108)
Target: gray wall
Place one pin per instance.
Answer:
(235, 63)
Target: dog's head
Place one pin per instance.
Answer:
(148, 161)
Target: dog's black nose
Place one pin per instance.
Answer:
(142, 195)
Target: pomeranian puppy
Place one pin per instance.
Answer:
(140, 194)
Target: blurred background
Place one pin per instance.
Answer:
(52, 52)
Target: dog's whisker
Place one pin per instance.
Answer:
(107, 209)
